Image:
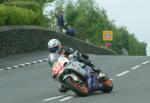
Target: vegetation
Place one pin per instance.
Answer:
(23, 12)
(18, 16)
(90, 21)
(84, 15)
(41, 2)
(27, 5)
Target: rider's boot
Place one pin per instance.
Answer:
(63, 88)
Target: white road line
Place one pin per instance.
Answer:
(136, 67)
(146, 62)
(15, 66)
(69, 97)
(40, 61)
(123, 73)
(34, 62)
(27, 63)
(53, 98)
(21, 64)
(9, 68)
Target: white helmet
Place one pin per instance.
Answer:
(53, 45)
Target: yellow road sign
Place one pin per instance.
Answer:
(107, 35)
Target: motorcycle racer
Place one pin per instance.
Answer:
(55, 47)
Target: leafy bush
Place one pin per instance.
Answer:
(11, 15)
(29, 5)
(41, 2)
(3, 16)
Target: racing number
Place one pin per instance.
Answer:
(56, 68)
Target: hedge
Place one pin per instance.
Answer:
(3, 16)
(23, 39)
(29, 5)
(16, 15)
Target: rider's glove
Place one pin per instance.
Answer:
(71, 56)
(76, 55)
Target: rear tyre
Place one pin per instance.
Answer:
(80, 89)
(107, 86)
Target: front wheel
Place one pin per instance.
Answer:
(80, 88)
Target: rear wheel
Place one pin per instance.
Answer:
(80, 88)
(107, 86)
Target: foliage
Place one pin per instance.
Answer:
(28, 5)
(136, 48)
(41, 2)
(11, 15)
(20, 12)
(84, 15)
(3, 16)
(90, 21)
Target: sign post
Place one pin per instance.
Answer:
(107, 37)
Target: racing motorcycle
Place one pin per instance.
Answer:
(79, 77)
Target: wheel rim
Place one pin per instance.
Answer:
(82, 87)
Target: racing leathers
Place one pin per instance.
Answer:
(80, 57)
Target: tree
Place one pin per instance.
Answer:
(41, 2)
(90, 20)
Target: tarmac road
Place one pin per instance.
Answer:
(33, 83)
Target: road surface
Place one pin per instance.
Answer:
(33, 83)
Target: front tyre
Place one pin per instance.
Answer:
(80, 89)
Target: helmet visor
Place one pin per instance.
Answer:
(53, 49)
